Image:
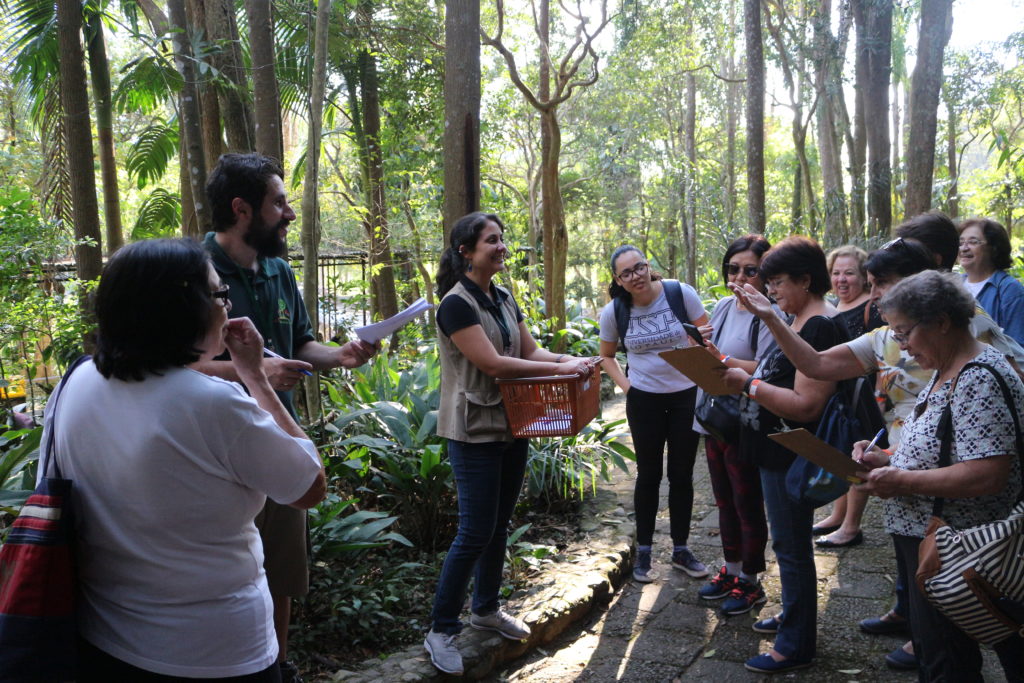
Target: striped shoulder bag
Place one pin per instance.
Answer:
(975, 576)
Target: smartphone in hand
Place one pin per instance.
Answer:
(694, 333)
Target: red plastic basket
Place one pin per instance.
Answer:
(551, 406)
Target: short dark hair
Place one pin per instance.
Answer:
(998, 240)
(796, 257)
(465, 233)
(901, 258)
(936, 232)
(753, 242)
(153, 306)
(927, 296)
(239, 175)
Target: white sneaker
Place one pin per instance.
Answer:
(505, 624)
(443, 652)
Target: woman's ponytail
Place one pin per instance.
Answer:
(465, 233)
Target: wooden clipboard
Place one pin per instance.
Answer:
(824, 455)
(700, 366)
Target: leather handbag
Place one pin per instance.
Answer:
(975, 576)
(38, 633)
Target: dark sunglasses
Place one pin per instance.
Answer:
(734, 269)
(891, 244)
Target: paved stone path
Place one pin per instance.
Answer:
(664, 632)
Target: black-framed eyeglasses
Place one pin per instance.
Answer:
(904, 337)
(735, 268)
(639, 270)
(222, 295)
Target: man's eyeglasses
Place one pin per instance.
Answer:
(903, 337)
(222, 295)
(972, 242)
(735, 268)
(639, 270)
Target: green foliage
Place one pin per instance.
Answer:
(152, 151)
(159, 215)
(19, 452)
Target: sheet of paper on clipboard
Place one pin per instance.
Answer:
(700, 366)
(824, 455)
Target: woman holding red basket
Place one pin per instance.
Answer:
(482, 337)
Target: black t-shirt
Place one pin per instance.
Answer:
(776, 369)
(455, 313)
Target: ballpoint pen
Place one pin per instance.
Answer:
(270, 353)
(874, 441)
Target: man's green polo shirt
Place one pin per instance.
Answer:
(270, 298)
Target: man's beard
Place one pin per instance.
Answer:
(266, 240)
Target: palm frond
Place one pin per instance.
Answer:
(159, 216)
(56, 180)
(152, 151)
(146, 84)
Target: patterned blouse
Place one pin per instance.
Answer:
(982, 428)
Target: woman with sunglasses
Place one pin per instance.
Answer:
(985, 254)
(739, 339)
(659, 398)
(901, 378)
(170, 467)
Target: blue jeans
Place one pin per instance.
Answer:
(790, 525)
(488, 478)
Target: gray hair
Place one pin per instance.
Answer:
(926, 296)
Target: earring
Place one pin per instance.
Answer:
(469, 267)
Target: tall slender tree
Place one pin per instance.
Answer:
(756, 212)
(878, 55)
(933, 35)
(461, 110)
(266, 94)
(78, 141)
(99, 72)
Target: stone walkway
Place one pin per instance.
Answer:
(664, 632)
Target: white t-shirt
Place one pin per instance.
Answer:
(975, 287)
(168, 475)
(652, 329)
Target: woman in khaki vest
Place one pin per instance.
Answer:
(482, 337)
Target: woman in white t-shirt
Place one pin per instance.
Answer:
(170, 466)
(659, 399)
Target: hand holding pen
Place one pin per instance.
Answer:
(867, 452)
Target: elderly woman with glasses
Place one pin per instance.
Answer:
(776, 391)
(901, 378)
(985, 254)
(170, 467)
(929, 316)
(646, 315)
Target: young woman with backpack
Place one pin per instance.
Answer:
(646, 316)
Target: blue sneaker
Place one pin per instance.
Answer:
(684, 560)
(642, 572)
(719, 586)
(764, 664)
(769, 625)
(744, 597)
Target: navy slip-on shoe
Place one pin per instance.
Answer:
(880, 626)
(764, 664)
(901, 660)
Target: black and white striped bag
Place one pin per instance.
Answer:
(965, 572)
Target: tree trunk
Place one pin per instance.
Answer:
(99, 71)
(691, 178)
(380, 238)
(951, 161)
(461, 111)
(858, 152)
(234, 95)
(209, 107)
(934, 32)
(755, 115)
(878, 55)
(828, 147)
(732, 97)
(189, 222)
(74, 100)
(266, 96)
(189, 115)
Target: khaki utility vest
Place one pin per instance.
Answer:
(471, 407)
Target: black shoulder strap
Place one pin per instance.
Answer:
(621, 320)
(674, 295)
(755, 334)
(944, 431)
(53, 419)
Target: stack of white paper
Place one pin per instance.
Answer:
(371, 334)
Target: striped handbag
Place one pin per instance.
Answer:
(38, 633)
(970, 574)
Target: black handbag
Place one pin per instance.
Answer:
(720, 415)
